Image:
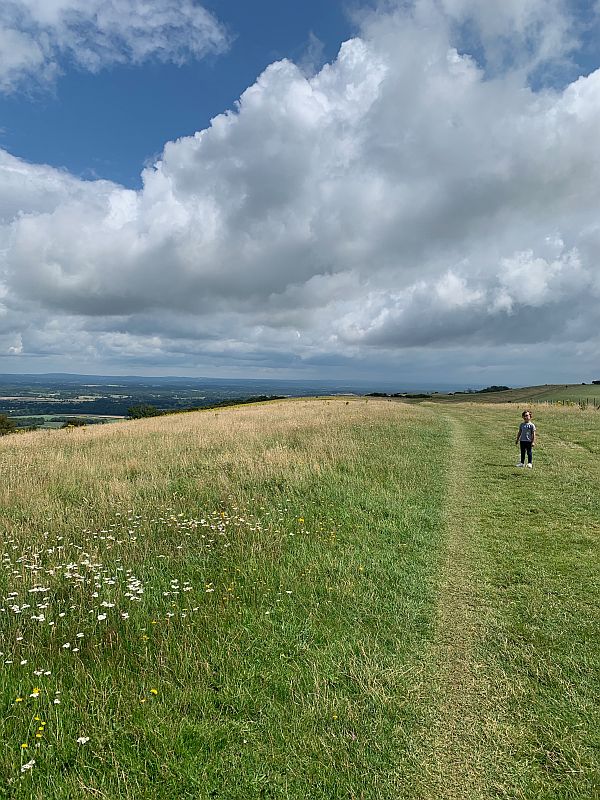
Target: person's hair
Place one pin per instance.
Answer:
(527, 411)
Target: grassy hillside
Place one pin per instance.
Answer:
(586, 393)
(320, 598)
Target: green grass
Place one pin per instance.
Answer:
(355, 600)
(573, 393)
(299, 670)
(533, 568)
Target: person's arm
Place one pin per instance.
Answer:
(518, 435)
(533, 437)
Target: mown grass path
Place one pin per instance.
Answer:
(452, 748)
(516, 658)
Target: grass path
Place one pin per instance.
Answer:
(453, 748)
(515, 659)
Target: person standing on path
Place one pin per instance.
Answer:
(526, 438)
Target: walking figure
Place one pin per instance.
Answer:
(526, 438)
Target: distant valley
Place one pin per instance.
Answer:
(48, 400)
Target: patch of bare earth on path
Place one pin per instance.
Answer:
(453, 758)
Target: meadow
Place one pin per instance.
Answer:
(550, 393)
(323, 598)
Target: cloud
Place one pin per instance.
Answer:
(518, 33)
(39, 37)
(313, 56)
(400, 202)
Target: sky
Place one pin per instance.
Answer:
(404, 190)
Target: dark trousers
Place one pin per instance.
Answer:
(526, 448)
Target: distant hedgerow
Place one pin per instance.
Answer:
(143, 410)
(7, 425)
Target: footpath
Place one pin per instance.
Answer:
(454, 764)
(515, 657)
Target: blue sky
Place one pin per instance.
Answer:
(301, 190)
(110, 123)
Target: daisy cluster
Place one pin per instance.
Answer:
(68, 597)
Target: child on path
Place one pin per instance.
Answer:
(526, 438)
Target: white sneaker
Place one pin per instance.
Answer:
(519, 465)
(529, 466)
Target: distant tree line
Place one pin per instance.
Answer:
(400, 394)
(423, 396)
(7, 425)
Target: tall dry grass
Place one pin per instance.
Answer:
(64, 477)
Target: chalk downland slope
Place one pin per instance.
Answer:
(310, 598)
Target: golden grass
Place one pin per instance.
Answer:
(63, 475)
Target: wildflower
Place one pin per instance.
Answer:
(24, 746)
(101, 617)
(28, 765)
(153, 691)
(83, 739)
(66, 645)
(35, 693)
(18, 700)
